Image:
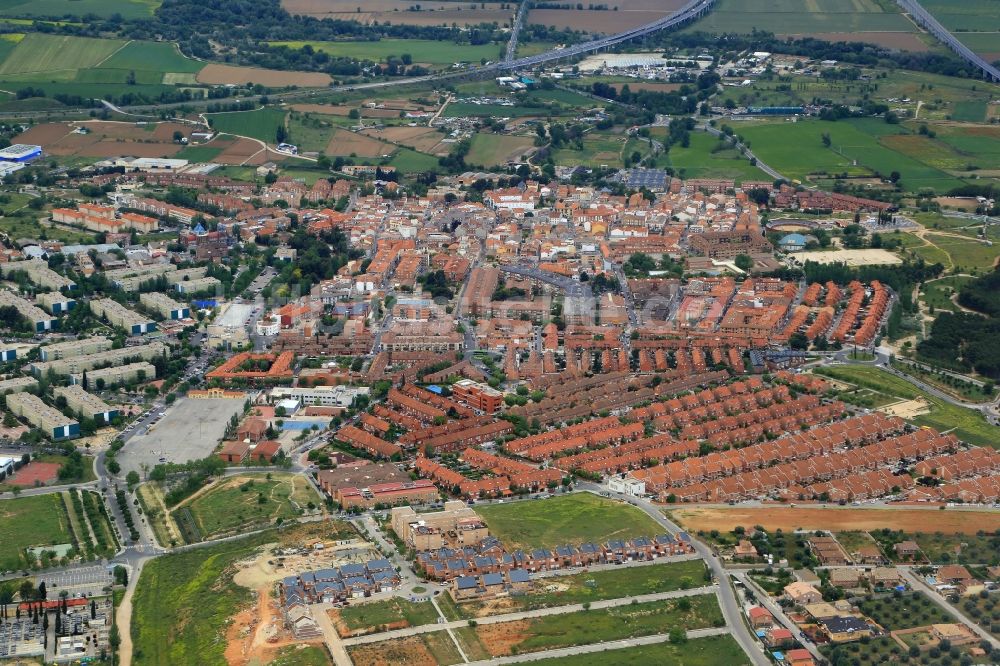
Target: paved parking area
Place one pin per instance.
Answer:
(80, 581)
(189, 430)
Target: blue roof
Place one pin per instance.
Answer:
(465, 582)
(793, 239)
(493, 579)
(434, 388)
(778, 656)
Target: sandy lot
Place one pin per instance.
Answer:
(903, 41)
(849, 257)
(500, 638)
(837, 519)
(907, 409)
(344, 142)
(223, 74)
(409, 651)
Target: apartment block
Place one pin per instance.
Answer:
(119, 315)
(165, 306)
(197, 285)
(38, 271)
(129, 279)
(118, 374)
(478, 396)
(38, 318)
(186, 274)
(55, 302)
(84, 403)
(51, 421)
(17, 384)
(72, 348)
(72, 365)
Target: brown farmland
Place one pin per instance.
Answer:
(106, 139)
(224, 74)
(629, 16)
(344, 143)
(837, 519)
(408, 651)
(423, 139)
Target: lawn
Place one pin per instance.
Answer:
(709, 651)
(425, 51)
(607, 584)
(968, 425)
(43, 54)
(797, 151)
(259, 124)
(249, 500)
(129, 9)
(31, 521)
(301, 655)
(598, 149)
(699, 161)
(496, 149)
(389, 611)
(794, 17)
(606, 624)
(566, 519)
(912, 609)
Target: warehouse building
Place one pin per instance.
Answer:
(38, 318)
(55, 302)
(49, 420)
(119, 315)
(84, 403)
(77, 364)
(17, 384)
(38, 272)
(165, 306)
(117, 374)
(72, 348)
(20, 152)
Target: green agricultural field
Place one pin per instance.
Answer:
(159, 57)
(410, 161)
(981, 42)
(699, 161)
(389, 611)
(205, 153)
(250, 500)
(966, 16)
(496, 149)
(43, 54)
(967, 425)
(797, 151)
(566, 519)
(973, 112)
(59, 8)
(31, 521)
(425, 51)
(260, 124)
(310, 133)
(611, 624)
(709, 651)
(598, 149)
(794, 17)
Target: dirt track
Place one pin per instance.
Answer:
(836, 518)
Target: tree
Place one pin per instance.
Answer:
(743, 262)
(132, 479)
(826, 139)
(178, 136)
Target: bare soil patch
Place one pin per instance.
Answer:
(216, 74)
(500, 638)
(594, 20)
(42, 472)
(409, 651)
(344, 142)
(424, 139)
(906, 409)
(45, 134)
(837, 519)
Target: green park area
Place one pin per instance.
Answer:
(420, 51)
(967, 424)
(238, 502)
(566, 519)
(27, 522)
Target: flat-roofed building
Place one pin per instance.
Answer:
(478, 396)
(84, 403)
(165, 306)
(77, 364)
(118, 374)
(119, 315)
(187, 274)
(72, 348)
(17, 384)
(49, 420)
(326, 396)
(38, 272)
(55, 302)
(131, 278)
(40, 320)
(197, 285)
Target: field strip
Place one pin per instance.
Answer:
(692, 634)
(111, 55)
(451, 633)
(524, 615)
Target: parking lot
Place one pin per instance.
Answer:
(82, 581)
(189, 430)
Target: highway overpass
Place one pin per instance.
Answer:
(929, 23)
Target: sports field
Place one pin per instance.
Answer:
(426, 51)
(837, 519)
(45, 54)
(565, 519)
(260, 124)
(967, 424)
(31, 521)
